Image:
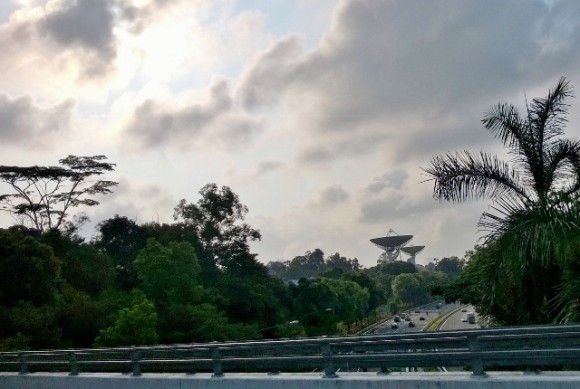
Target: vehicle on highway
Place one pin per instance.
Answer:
(394, 325)
(417, 311)
(397, 318)
(422, 318)
(407, 318)
(463, 309)
(470, 317)
(411, 324)
(464, 318)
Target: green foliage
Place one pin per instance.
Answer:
(451, 266)
(83, 266)
(37, 324)
(134, 326)
(29, 271)
(81, 318)
(218, 221)
(322, 303)
(43, 195)
(168, 273)
(312, 264)
(203, 323)
(535, 217)
(121, 239)
(397, 267)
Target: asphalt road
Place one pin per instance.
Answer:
(454, 322)
(430, 312)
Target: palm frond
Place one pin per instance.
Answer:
(548, 115)
(463, 176)
(505, 123)
(535, 233)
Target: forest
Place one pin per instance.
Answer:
(194, 280)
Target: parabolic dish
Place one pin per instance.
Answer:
(391, 242)
(412, 250)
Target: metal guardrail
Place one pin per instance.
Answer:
(478, 350)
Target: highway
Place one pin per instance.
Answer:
(454, 321)
(430, 312)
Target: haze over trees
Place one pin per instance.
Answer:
(527, 271)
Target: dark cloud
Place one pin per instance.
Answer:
(22, 122)
(214, 122)
(385, 63)
(85, 25)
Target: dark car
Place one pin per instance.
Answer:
(411, 324)
(397, 319)
(394, 325)
(422, 318)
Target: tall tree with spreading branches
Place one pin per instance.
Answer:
(42, 196)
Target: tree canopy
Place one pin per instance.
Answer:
(533, 228)
(43, 195)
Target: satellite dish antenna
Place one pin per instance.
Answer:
(391, 244)
(412, 252)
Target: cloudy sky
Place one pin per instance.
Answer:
(318, 114)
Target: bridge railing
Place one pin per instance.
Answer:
(478, 350)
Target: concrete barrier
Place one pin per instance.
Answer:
(559, 380)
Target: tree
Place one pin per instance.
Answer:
(450, 265)
(397, 267)
(43, 195)
(218, 220)
(542, 162)
(133, 327)
(29, 270)
(168, 274)
(121, 239)
(535, 213)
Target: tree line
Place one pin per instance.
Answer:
(192, 280)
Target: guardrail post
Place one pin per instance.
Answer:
(136, 366)
(329, 369)
(476, 362)
(218, 370)
(74, 367)
(23, 364)
(191, 369)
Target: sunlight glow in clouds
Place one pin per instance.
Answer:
(319, 115)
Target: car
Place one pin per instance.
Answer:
(417, 311)
(464, 318)
(411, 323)
(407, 318)
(470, 317)
(421, 317)
(397, 319)
(463, 309)
(394, 325)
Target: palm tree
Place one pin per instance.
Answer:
(543, 163)
(534, 195)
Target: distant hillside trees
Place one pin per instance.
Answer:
(311, 264)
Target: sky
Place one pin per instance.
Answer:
(318, 114)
